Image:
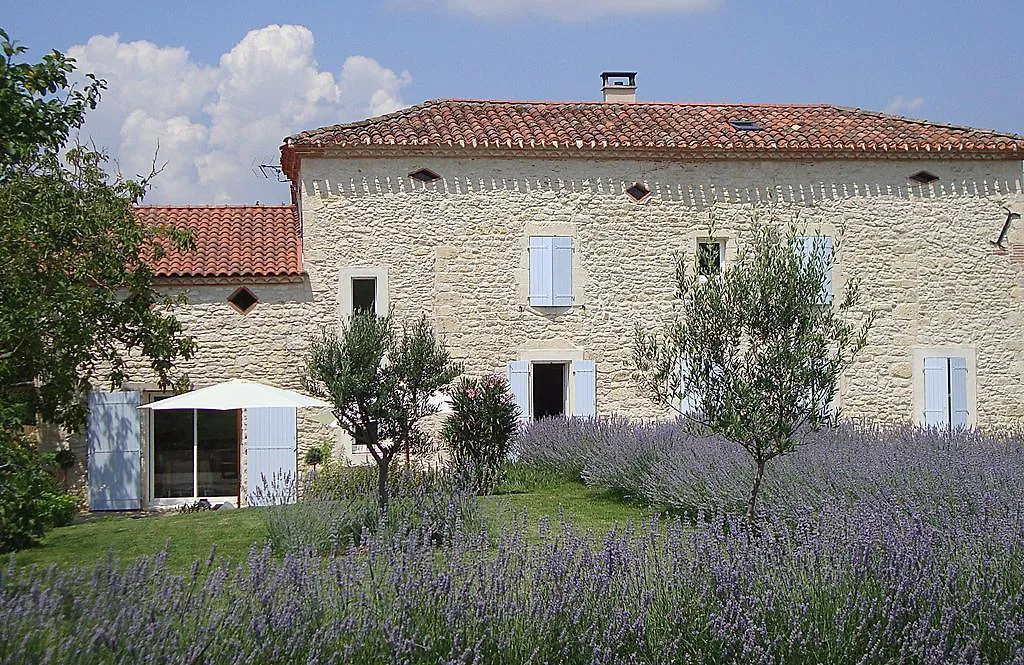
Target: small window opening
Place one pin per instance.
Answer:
(709, 258)
(243, 300)
(424, 175)
(638, 192)
(924, 177)
(746, 125)
(364, 295)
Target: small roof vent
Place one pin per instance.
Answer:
(638, 192)
(924, 177)
(746, 125)
(424, 175)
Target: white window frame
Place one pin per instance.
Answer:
(379, 274)
(720, 242)
(970, 354)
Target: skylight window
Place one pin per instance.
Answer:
(924, 177)
(746, 125)
(243, 300)
(638, 192)
(424, 175)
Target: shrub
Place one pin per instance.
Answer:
(478, 432)
(31, 499)
(338, 510)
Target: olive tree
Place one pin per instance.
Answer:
(379, 381)
(755, 353)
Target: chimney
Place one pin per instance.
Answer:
(618, 86)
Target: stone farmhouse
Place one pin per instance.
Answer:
(535, 235)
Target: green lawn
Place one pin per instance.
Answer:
(189, 537)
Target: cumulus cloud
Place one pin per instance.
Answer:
(572, 10)
(904, 105)
(212, 124)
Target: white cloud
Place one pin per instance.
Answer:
(214, 123)
(572, 10)
(904, 105)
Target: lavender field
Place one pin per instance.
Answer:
(872, 547)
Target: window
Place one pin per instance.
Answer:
(424, 175)
(364, 295)
(638, 192)
(362, 289)
(554, 383)
(550, 271)
(924, 177)
(710, 254)
(945, 392)
(243, 300)
(819, 248)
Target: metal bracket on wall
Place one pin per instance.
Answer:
(1010, 216)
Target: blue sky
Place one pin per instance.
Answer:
(219, 84)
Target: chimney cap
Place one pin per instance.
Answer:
(630, 76)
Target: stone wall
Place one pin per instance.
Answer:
(455, 249)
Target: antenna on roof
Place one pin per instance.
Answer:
(266, 166)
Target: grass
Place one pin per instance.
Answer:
(189, 537)
(588, 508)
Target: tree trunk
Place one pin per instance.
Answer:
(382, 484)
(752, 502)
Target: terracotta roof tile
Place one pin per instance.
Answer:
(231, 241)
(678, 129)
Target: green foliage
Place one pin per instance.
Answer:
(756, 351)
(76, 295)
(39, 107)
(478, 432)
(380, 384)
(315, 456)
(31, 500)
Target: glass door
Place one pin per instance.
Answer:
(194, 454)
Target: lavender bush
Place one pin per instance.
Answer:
(337, 509)
(862, 586)
(919, 470)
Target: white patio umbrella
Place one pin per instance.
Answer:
(236, 394)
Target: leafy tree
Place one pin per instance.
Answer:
(76, 294)
(756, 351)
(380, 383)
(479, 430)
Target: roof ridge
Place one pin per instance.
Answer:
(229, 206)
(921, 121)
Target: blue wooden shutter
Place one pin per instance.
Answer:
(541, 285)
(519, 385)
(115, 451)
(585, 384)
(271, 452)
(958, 413)
(561, 271)
(936, 392)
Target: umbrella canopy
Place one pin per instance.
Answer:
(236, 394)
